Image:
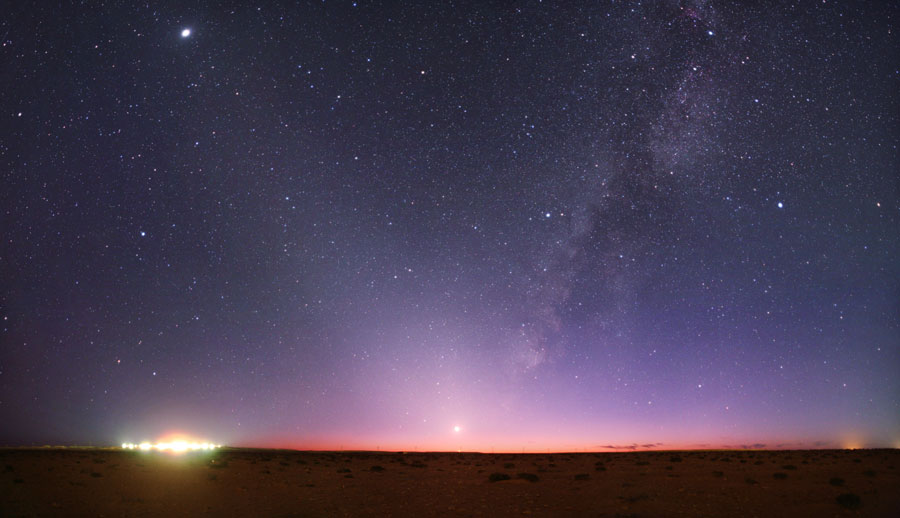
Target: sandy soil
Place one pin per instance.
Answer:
(92, 482)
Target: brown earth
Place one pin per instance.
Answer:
(97, 482)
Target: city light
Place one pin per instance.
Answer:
(172, 447)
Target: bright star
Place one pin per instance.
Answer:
(780, 205)
(185, 33)
(456, 428)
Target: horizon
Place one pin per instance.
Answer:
(504, 448)
(622, 449)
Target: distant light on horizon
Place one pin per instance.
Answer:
(173, 446)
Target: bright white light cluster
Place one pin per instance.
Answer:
(174, 446)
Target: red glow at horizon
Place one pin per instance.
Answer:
(529, 447)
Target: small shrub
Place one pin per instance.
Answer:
(788, 466)
(497, 477)
(582, 476)
(869, 473)
(779, 476)
(212, 476)
(509, 465)
(96, 475)
(635, 498)
(641, 463)
(718, 474)
(676, 458)
(343, 470)
(750, 481)
(18, 481)
(531, 477)
(376, 469)
(849, 501)
(836, 481)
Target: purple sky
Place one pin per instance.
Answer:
(554, 226)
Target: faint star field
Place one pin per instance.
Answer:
(526, 226)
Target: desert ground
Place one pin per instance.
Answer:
(239, 482)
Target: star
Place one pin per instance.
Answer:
(185, 33)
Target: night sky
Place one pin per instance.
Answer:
(347, 225)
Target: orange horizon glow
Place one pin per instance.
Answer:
(527, 451)
(512, 447)
(458, 438)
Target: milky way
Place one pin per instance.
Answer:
(529, 225)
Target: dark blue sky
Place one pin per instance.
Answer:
(364, 224)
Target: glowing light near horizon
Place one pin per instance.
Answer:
(172, 446)
(456, 428)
